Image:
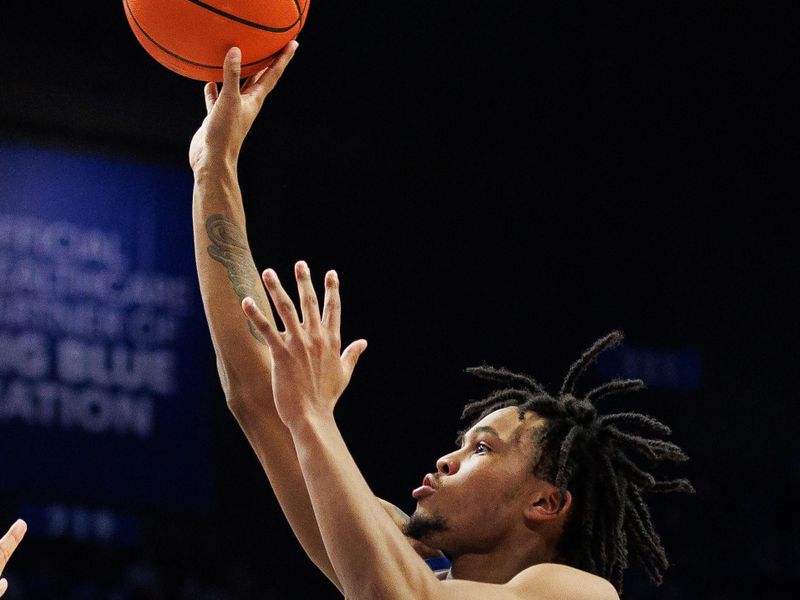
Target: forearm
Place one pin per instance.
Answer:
(355, 527)
(273, 446)
(226, 274)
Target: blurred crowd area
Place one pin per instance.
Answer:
(107, 574)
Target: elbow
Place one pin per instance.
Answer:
(232, 388)
(224, 379)
(249, 401)
(235, 382)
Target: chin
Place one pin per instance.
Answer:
(425, 527)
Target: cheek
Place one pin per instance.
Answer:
(486, 489)
(503, 488)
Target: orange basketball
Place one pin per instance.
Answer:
(191, 37)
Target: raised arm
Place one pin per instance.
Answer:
(310, 371)
(227, 274)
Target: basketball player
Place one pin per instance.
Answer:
(542, 499)
(9, 543)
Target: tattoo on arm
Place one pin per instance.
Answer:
(229, 248)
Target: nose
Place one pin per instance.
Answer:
(447, 465)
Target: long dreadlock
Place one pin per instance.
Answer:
(600, 459)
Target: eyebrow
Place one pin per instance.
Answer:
(475, 431)
(486, 429)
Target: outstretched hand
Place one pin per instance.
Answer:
(232, 111)
(9, 543)
(308, 371)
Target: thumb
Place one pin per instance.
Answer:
(232, 71)
(351, 355)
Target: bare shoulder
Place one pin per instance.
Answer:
(551, 580)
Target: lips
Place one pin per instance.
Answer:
(426, 489)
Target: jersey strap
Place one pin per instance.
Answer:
(439, 565)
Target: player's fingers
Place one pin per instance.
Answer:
(281, 301)
(351, 355)
(10, 541)
(251, 81)
(260, 322)
(211, 93)
(3, 586)
(308, 297)
(271, 75)
(232, 71)
(332, 310)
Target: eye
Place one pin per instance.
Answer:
(481, 448)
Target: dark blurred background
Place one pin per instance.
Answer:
(493, 183)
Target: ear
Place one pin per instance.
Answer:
(543, 505)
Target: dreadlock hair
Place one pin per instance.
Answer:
(600, 459)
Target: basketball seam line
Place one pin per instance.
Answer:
(181, 58)
(222, 13)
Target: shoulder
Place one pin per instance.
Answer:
(551, 580)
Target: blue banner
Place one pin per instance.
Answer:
(104, 373)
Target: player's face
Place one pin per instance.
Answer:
(480, 490)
